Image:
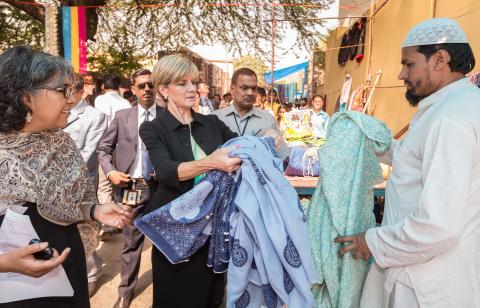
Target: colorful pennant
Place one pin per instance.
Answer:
(75, 37)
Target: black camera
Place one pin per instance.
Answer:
(45, 254)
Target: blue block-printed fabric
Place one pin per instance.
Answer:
(252, 219)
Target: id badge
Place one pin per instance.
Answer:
(131, 196)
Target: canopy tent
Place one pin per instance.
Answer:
(287, 89)
(284, 72)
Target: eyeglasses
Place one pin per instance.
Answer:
(142, 86)
(66, 90)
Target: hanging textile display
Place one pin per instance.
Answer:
(343, 53)
(345, 94)
(286, 91)
(291, 91)
(361, 97)
(358, 40)
(353, 43)
(368, 101)
(357, 99)
(281, 92)
(75, 37)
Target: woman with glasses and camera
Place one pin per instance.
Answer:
(44, 184)
(183, 145)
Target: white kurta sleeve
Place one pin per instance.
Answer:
(434, 228)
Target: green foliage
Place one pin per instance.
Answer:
(242, 28)
(130, 31)
(253, 63)
(18, 28)
(114, 61)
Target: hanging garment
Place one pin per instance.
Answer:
(359, 52)
(256, 226)
(354, 34)
(343, 204)
(357, 99)
(344, 51)
(345, 94)
(352, 46)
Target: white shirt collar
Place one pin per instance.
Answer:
(152, 110)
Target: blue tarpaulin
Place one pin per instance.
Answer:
(284, 72)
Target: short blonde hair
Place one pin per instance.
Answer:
(172, 68)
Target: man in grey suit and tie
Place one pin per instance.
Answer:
(86, 126)
(131, 164)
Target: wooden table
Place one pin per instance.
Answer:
(305, 186)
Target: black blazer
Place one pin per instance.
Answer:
(168, 144)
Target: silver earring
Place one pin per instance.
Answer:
(28, 118)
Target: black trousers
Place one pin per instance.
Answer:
(186, 285)
(59, 237)
(133, 241)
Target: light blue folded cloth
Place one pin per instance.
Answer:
(271, 255)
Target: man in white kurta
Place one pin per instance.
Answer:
(427, 251)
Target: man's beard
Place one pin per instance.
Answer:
(412, 99)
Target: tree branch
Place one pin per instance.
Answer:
(37, 10)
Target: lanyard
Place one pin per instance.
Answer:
(238, 126)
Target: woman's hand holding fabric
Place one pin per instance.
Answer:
(114, 214)
(221, 161)
(21, 261)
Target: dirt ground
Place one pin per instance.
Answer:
(107, 291)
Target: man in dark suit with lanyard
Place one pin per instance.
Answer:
(130, 173)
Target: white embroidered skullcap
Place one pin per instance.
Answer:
(435, 31)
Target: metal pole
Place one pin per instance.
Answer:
(433, 7)
(273, 43)
(273, 54)
(370, 49)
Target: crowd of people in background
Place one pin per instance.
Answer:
(103, 119)
(97, 89)
(78, 155)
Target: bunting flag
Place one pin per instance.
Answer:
(75, 37)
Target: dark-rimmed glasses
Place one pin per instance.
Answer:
(142, 86)
(66, 90)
